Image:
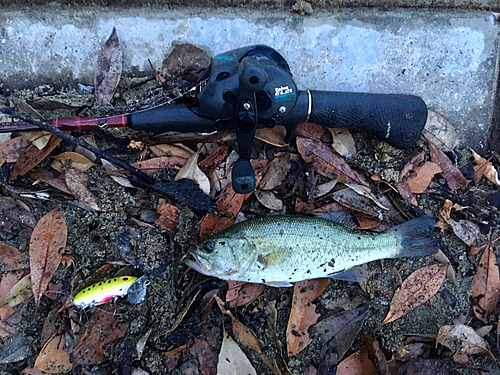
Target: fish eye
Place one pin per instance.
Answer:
(209, 246)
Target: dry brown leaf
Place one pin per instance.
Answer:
(48, 177)
(152, 166)
(365, 191)
(462, 339)
(303, 314)
(77, 183)
(108, 70)
(417, 289)
(274, 136)
(276, 172)
(95, 337)
(343, 143)
(47, 240)
(351, 199)
(357, 364)
(445, 211)
(207, 356)
(425, 173)
(405, 192)
(269, 200)
(327, 162)
(414, 162)
(451, 173)
(8, 281)
(169, 215)
(486, 286)
(12, 149)
(489, 170)
(191, 171)
(314, 131)
(9, 257)
(76, 161)
(241, 293)
(20, 293)
(39, 138)
(377, 354)
(440, 131)
(466, 230)
(54, 356)
(31, 157)
(332, 207)
(210, 164)
(169, 150)
(248, 338)
(232, 360)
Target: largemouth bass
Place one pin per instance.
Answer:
(279, 250)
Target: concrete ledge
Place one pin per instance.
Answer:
(450, 59)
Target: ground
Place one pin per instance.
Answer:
(110, 236)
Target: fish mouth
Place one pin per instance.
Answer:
(198, 261)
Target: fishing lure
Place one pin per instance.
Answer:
(101, 292)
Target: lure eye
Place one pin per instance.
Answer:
(209, 246)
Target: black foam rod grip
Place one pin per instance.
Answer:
(398, 119)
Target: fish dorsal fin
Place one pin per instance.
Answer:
(279, 284)
(342, 217)
(355, 274)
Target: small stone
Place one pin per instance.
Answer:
(302, 8)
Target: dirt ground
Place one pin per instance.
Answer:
(98, 238)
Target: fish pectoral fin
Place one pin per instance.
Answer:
(279, 284)
(271, 259)
(355, 274)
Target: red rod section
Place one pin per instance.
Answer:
(81, 123)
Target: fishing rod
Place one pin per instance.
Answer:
(252, 87)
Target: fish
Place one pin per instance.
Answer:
(281, 250)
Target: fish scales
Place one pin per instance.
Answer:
(279, 250)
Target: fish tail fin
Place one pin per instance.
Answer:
(416, 237)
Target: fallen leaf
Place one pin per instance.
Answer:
(440, 131)
(417, 289)
(314, 131)
(303, 314)
(9, 257)
(489, 170)
(20, 293)
(115, 175)
(462, 339)
(169, 150)
(77, 183)
(276, 172)
(366, 192)
(12, 149)
(343, 143)
(94, 338)
(75, 161)
(108, 70)
(241, 293)
(339, 330)
(169, 215)
(248, 338)
(451, 173)
(486, 286)
(324, 189)
(232, 360)
(39, 138)
(152, 166)
(377, 354)
(357, 364)
(207, 356)
(54, 356)
(332, 207)
(191, 171)
(445, 210)
(47, 240)
(350, 199)
(405, 192)
(440, 257)
(269, 200)
(49, 178)
(210, 164)
(466, 230)
(425, 173)
(31, 157)
(414, 162)
(327, 162)
(274, 136)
